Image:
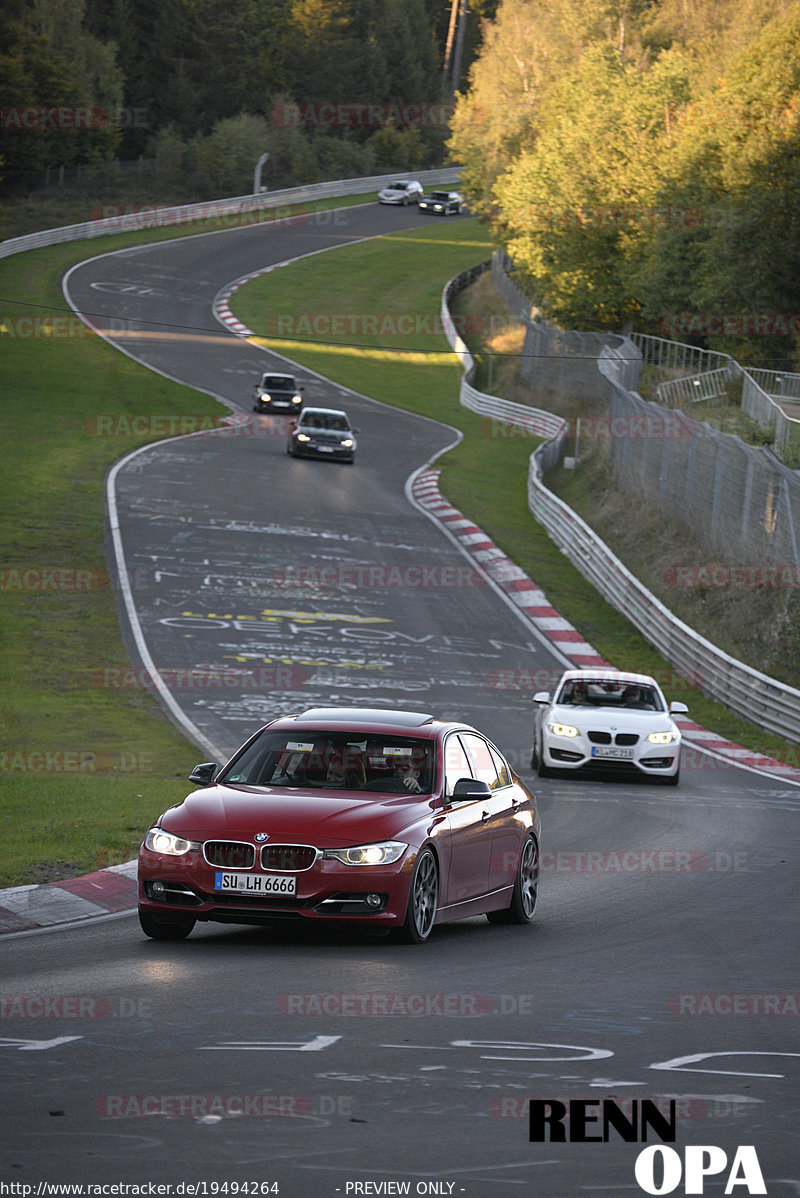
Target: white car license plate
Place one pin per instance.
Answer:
(325, 448)
(255, 883)
(617, 754)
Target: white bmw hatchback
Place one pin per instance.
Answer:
(607, 720)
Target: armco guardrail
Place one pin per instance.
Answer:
(764, 701)
(181, 214)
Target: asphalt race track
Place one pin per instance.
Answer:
(662, 963)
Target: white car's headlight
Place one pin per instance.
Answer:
(563, 730)
(662, 738)
(297, 399)
(385, 853)
(159, 841)
(347, 443)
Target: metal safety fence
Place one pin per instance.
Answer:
(765, 701)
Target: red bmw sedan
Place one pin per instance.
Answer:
(389, 820)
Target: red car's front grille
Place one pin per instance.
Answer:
(289, 857)
(230, 854)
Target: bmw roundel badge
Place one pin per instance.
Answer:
(259, 836)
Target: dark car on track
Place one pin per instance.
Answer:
(323, 433)
(442, 203)
(277, 393)
(390, 821)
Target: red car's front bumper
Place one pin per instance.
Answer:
(171, 886)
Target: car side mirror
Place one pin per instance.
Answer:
(204, 774)
(678, 709)
(541, 697)
(470, 788)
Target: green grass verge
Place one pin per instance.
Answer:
(399, 278)
(83, 768)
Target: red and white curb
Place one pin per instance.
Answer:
(531, 600)
(221, 306)
(26, 908)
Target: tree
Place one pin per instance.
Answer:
(524, 52)
(573, 209)
(736, 164)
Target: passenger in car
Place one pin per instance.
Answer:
(345, 769)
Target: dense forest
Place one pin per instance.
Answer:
(641, 163)
(329, 88)
(639, 159)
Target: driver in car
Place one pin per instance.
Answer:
(408, 773)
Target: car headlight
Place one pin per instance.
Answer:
(159, 841)
(347, 443)
(297, 399)
(385, 853)
(662, 738)
(303, 437)
(563, 730)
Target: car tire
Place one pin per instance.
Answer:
(522, 907)
(544, 771)
(673, 779)
(175, 927)
(422, 900)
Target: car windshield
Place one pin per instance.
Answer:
(609, 692)
(321, 760)
(397, 187)
(278, 382)
(328, 420)
(440, 195)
